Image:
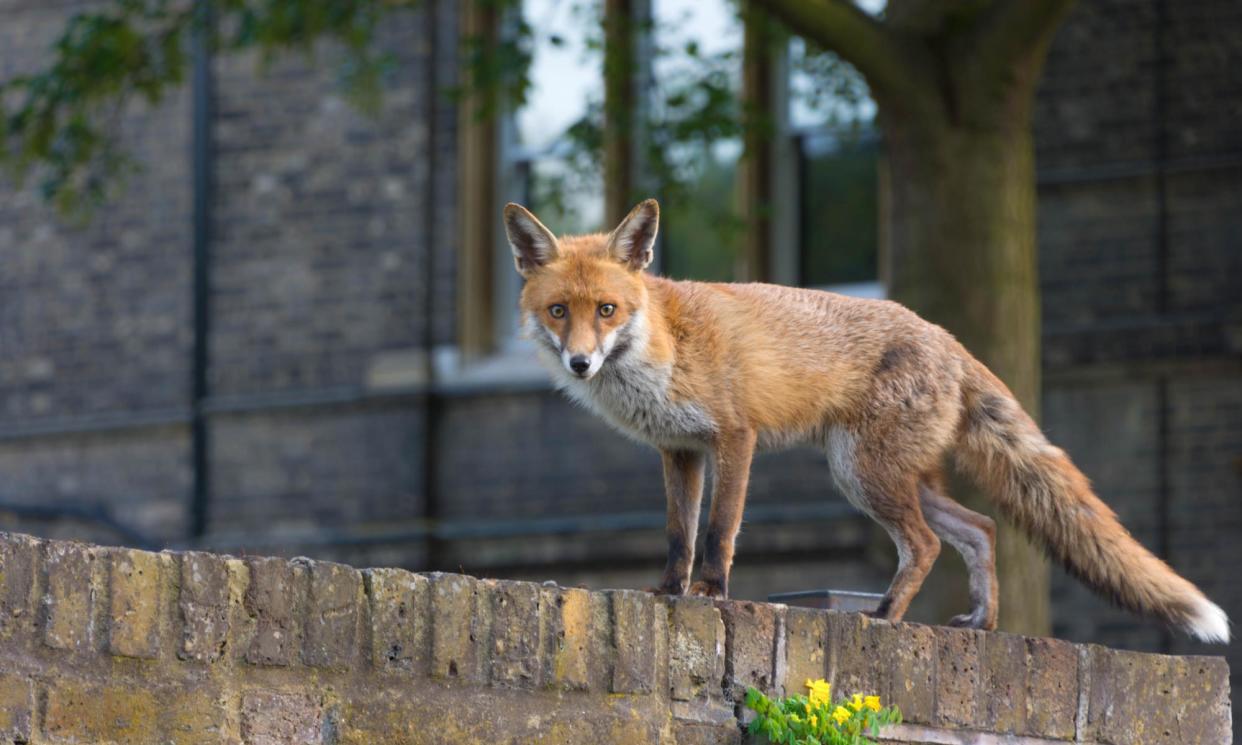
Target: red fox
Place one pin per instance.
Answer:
(706, 371)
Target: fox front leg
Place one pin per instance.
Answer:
(683, 486)
(733, 455)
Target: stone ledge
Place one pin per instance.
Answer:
(282, 651)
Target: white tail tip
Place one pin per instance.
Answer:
(1209, 623)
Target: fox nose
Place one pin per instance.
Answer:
(579, 363)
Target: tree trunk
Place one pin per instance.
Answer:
(962, 254)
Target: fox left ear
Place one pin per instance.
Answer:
(633, 242)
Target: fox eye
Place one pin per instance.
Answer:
(607, 309)
(557, 311)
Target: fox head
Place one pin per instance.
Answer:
(584, 295)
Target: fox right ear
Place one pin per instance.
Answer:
(533, 244)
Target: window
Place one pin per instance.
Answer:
(805, 210)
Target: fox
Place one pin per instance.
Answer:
(711, 373)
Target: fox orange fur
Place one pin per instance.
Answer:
(712, 372)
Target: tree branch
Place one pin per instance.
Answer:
(1015, 29)
(840, 26)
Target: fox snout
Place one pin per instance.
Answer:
(582, 365)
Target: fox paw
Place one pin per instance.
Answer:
(972, 621)
(705, 589)
(677, 589)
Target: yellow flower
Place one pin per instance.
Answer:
(841, 714)
(814, 720)
(856, 703)
(872, 702)
(821, 691)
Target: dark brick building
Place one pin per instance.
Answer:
(256, 349)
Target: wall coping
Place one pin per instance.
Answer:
(121, 645)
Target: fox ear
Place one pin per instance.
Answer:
(533, 244)
(633, 242)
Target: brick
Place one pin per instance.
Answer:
(400, 618)
(330, 625)
(204, 607)
(706, 734)
(1052, 688)
(568, 637)
(603, 657)
(69, 600)
(853, 649)
(517, 626)
(197, 715)
(1203, 688)
(115, 713)
(273, 599)
(16, 705)
(1003, 705)
(750, 646)
(959, 672)
(633, 640)
(19, 557)
(908, 652)
(1148, 698)
(137, 589)
(274, 718)
(806, 648)
(456, 628)
(696, 648)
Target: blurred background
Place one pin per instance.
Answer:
(255, 296)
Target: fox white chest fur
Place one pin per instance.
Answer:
(631, 393)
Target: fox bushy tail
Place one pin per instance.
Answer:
(1039, 488)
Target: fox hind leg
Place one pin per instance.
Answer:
(974, 537)
(872, 484)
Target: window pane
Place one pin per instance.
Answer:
(700, 44)
(840, 210)
(560, 184)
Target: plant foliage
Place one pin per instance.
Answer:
(815, 719)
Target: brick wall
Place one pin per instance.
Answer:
(81, 302)
(116, 645)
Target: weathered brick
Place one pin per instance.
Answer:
(806, 648)
(400, 618)
(137, 602)
(751, 631)
(567, 637)
(706, 734)
(633, 639)
(1156, 699)
(114, 713)
(1052, 688)
(908, 654)
(517, 625)
(273, 598)
(959, 673)
(330, 625)
(456, 628)
(69, 601)
(196, 715)
(16, 705)
(1002, 707)
(275, 718)
(204, 607)
(19, 558)
(696, 648)
(853, 650)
